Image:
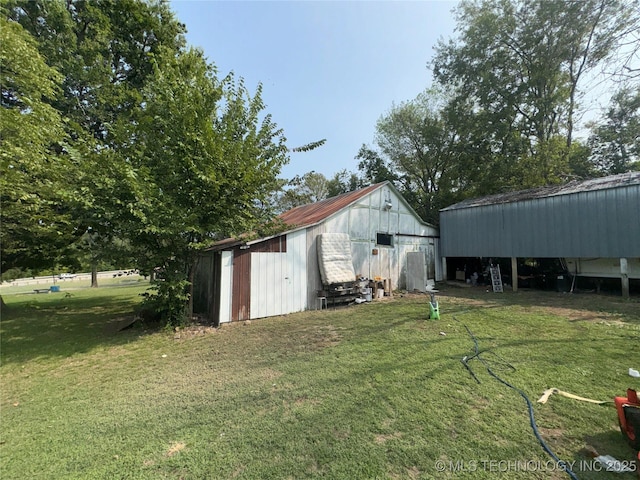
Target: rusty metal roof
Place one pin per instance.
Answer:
(576, 186)
(304, 215)
(313, 213)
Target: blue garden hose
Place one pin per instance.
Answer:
(562, 464)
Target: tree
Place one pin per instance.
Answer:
(516, 71)
(615, 144)
(421, 148)
(223, 161)
(343, 182)
(106, 52)
(373, 168)
(35, 222)
(301, 190)
(164, 157)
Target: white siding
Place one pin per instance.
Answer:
(314, 282)
(367, 217)
(602, 267)
(226, 276)
(279, 280)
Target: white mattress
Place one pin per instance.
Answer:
(334, 258)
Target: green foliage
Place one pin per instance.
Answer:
(224, 161)
(309, 146)
(104, 51)
(615, 143)
(14, 273)
(301, 190)
(373, 168)
(35, 223)
(343, 182)
(421, 147)
(168, 299)
(160, 156)
(515, 74)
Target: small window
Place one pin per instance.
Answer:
(385, 239)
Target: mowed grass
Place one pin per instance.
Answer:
(368, 391)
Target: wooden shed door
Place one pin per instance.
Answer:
(241, 296)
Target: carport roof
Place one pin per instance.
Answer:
(576, 186)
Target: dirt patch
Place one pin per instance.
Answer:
(573, 314)
(175, 448)
(551, 433)
(182, 333)
(238, 471)
(304, 400)
(481, 403)
(379, 439)
(413, 472)
(327, 336)
(319, 337)
(576, 315)
(270, 374)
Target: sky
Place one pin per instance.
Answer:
(329, 69)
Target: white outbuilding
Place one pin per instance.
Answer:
(241, 280)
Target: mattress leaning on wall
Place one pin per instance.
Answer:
(334, 258)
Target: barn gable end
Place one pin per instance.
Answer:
(280, 274)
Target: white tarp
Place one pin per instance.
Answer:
(334, 258)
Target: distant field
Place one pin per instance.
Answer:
(72, 284)
(363, 392)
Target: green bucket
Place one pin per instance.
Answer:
(434, 311)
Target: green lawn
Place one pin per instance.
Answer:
(369, 391)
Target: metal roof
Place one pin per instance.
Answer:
(313, 213)
(303, 216)
(576, 186)
(597, 218)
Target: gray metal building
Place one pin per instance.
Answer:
(593, 221)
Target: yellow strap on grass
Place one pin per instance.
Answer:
(547, 393)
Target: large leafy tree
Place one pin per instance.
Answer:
(344, 181)
(301, 190)
(106, 51)
(373, 168)
(615, 143)
(417, 142)
(163, 156)
(516, 72)
(202, 160)
(35, 223)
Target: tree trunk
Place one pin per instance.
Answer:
(192, 274)
(94, 275)
(3, 306)
(190, 301)
(572, 103)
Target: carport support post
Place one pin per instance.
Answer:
(444, 268)
(624, 276)
(514, 274)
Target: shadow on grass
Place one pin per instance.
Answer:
(627, 310)
(611, 443)
(61, 326)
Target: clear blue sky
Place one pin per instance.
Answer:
(329, 69)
